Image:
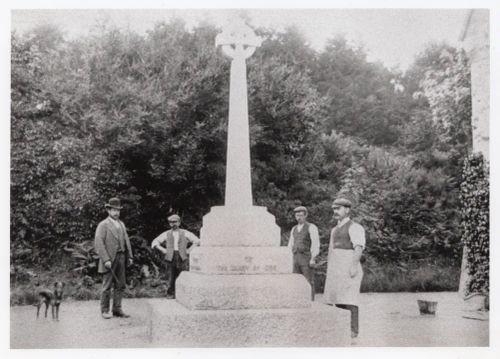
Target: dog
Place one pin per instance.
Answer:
(51, 299)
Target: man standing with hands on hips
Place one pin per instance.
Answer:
(115, 253)
(344, 272)
(304, 243)
(173, 244)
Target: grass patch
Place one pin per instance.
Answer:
(419, 277)
(415, 277)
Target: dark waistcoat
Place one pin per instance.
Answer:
(341, 238)
(301, 240)
(182, 245)
(121, 238)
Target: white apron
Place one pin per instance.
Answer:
(340, 288)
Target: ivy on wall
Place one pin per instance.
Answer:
(474, 196)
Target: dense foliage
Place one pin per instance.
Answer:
(475, 200)
(143, 117)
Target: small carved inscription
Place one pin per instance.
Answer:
(221, 268)
(270, 268)
(248, 259)
(238, 268)
(256, 268)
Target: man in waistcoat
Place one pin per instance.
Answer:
(344, 272)
(113, 248)
(174, 245)
(304, 244)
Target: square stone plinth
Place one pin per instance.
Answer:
(245, 291)
(320, 325)
(248, 226)
(241, 260)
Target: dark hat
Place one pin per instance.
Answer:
(300, 209)
(174, 217)
(114, 203)
(342, 201)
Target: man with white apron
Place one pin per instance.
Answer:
(344, 272)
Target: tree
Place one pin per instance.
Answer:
(361, 100)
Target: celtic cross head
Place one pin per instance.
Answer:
(237, 39)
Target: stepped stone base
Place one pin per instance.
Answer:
(320, 325)
(253, 291)
(241, 260)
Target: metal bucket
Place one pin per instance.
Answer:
(427, 307)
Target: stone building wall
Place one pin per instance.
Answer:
(476, 42)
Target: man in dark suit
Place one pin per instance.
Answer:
(173, 244)
(113, 247)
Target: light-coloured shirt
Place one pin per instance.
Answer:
(115, 223)
(356, 232)
(313, 233)
(163, 237)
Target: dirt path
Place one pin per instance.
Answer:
(386, 319)
(393, 319)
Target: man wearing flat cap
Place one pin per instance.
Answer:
(344, 271)
(174, 245)
(115, 253)
(304, 244)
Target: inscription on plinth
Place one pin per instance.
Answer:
(241, 260)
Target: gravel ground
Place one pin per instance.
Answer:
(386, 319)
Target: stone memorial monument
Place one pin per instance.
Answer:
(240, 263)
(240, 289)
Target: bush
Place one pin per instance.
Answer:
(416, 277)
(22, 296)
(474, 196)
(83, 293)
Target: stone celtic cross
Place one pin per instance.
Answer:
(239, 42)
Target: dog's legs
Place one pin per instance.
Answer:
(57, 312)
(38, 310)
(46, 308)
(53, 312)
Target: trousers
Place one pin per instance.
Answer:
(174, 268)
(301, 266)
(116, 281)
(354, 309)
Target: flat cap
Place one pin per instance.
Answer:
(342, 201)
(174, 217)
(300, 209)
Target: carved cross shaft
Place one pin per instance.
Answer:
(238, 41)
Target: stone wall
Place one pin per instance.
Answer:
(476, 43)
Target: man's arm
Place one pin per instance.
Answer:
(100, 235)
(127, 243)
(158, 241)
(357, 235)
(192, 238)
(291, 239)
(314, 234)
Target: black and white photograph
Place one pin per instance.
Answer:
(250, 177)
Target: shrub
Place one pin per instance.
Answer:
(83, 293)
(419, 276)
(474, 196)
